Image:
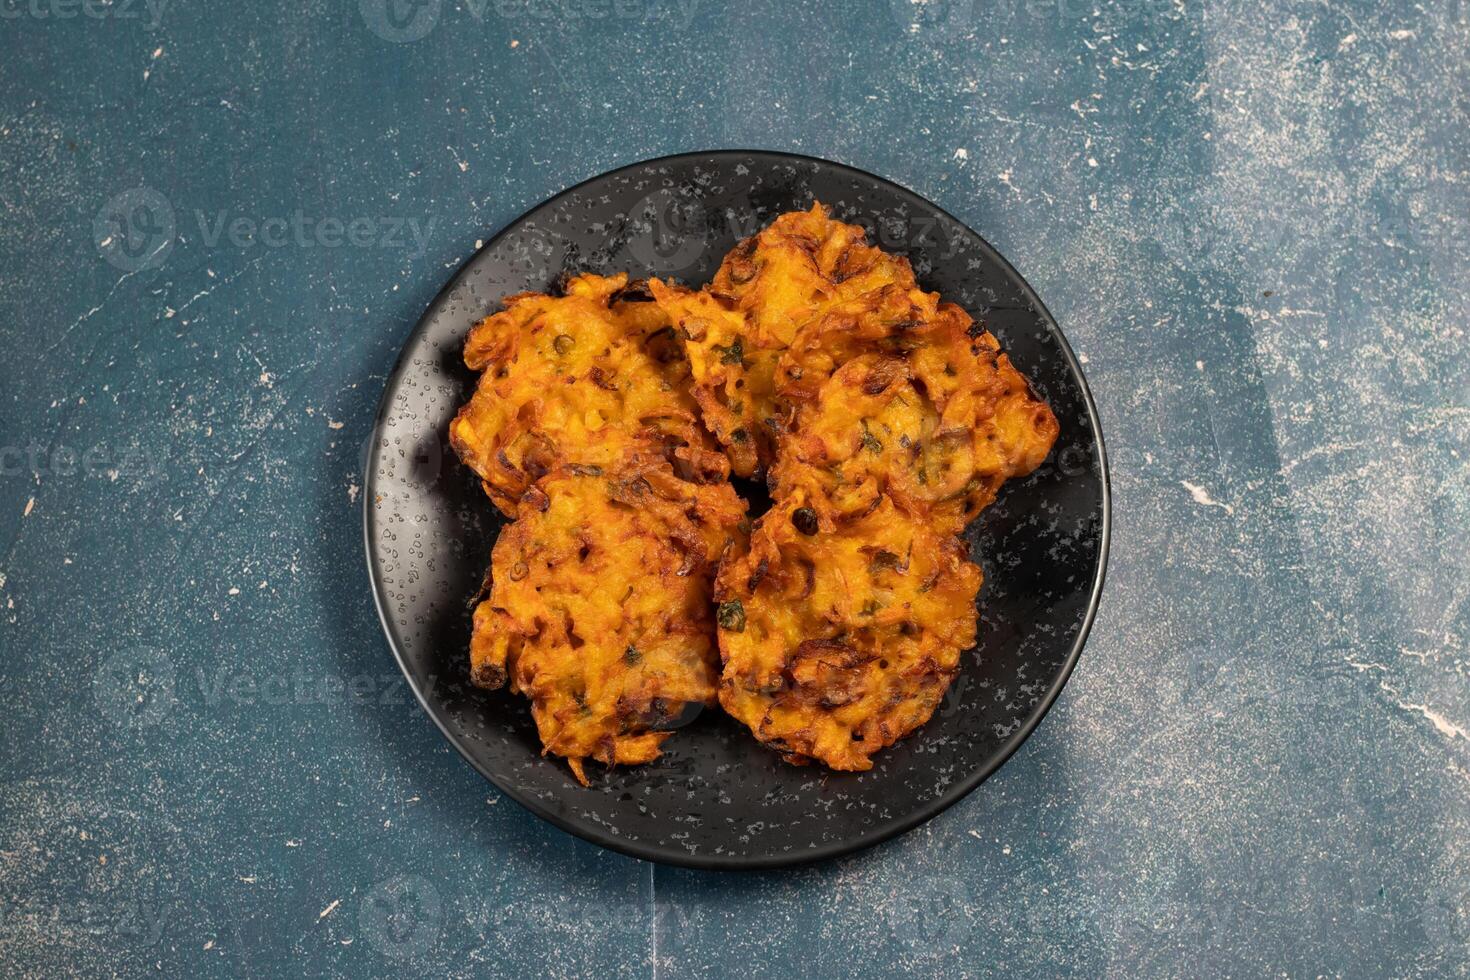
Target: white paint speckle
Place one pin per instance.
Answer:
(1203, 498)
(1443, 725)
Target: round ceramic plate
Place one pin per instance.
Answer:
(718, 799)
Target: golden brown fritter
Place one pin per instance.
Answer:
(599, 607)
(583, 430)
(899, 394)
(588, 377)
(736, 328)
(898, 421)
(883, 419)
(840, 639)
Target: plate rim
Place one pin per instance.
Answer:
(714, 862)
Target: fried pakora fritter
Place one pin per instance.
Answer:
(587, 377)
(883, 420)
(599, 607)
(901, 395)
(840, 639)
(736, 328)
(898, 421)
(582, 429)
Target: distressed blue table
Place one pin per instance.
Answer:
(1251, 219)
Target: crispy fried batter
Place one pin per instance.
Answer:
(883, 418)
(839, 642)
(589, 377)
(582, 428)
(599, 607)
(897, 393)
(736, 329)
(842, 627)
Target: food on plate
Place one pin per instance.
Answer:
(583, 431)
(899, 418)
(898, 394)
(736, 328)
(589, 377)
(630, 589)
(839, 638)
(599, 607)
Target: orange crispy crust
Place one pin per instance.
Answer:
(883, 419)
(582, 429)
(897, 421)
(599, 607)
(736, 329)
(900, 394)
(589, 377)
(837, 644)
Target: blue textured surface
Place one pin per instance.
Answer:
(1251, 220)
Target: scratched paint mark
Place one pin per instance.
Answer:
(1202, 497)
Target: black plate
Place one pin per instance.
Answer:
(717, 799)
